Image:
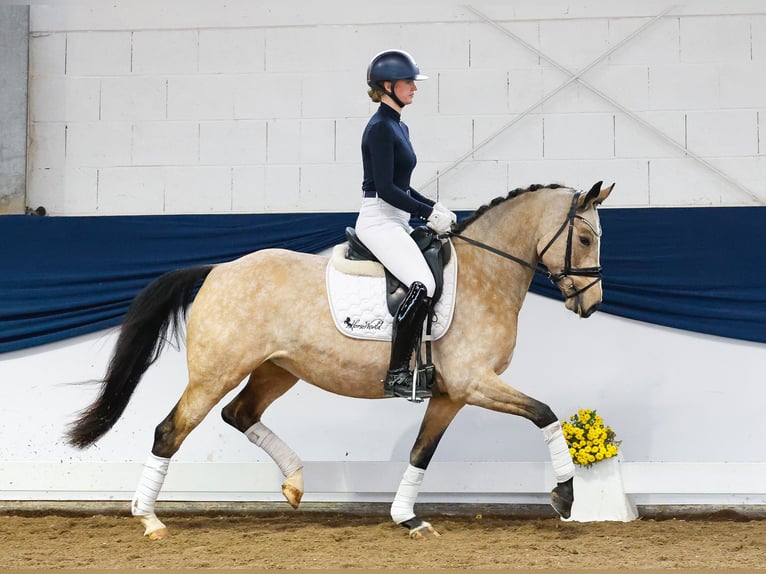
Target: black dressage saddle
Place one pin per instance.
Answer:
(436, 252)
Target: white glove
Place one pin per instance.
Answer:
(446, 211)
(439, 221)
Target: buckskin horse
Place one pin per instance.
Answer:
(242, 324)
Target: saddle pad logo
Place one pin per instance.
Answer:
(358, 303)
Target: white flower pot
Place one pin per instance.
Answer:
(599, 494)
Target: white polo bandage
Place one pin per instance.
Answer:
(563, 467)
(149, 485)
(287, 461)
(403, 507)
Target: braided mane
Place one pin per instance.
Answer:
(459, 227)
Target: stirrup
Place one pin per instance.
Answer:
(400, 383)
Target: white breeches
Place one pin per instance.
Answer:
(385, 230)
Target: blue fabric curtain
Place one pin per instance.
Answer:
(700, 269)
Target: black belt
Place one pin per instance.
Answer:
(370, 194)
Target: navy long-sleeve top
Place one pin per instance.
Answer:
(388, 160)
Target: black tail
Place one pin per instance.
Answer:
(142, 337)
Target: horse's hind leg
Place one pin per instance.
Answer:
(440, 412)
(267, 383)
(199, 397)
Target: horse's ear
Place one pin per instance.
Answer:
(596, 195)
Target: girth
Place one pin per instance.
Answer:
(436, 252)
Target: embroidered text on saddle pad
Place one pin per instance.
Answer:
(358, 302)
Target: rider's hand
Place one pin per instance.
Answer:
(439, 221)
(446, 211)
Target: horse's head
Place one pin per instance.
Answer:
(571, 252)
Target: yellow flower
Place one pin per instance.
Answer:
(588, 438)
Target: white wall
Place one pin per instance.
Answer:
(687, 408)
(174, 107)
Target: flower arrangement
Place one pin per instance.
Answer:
(589, 440)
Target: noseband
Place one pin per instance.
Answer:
(540, 267)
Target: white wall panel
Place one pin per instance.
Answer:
(165, 143)
(98, 53)
(474, 184)
(198, 190)
(131, 191)
(722, 133)
(60, 99)
(482, 453)
(165, 52)
(523, 141)
(578, 136)
(574, 43)
(330, 187)
(231, 51)
(237, 62)
(47, 54)
(631, 139)
(133, 98)
(267, 96)
(485, 91)
(674, 182)
(656, 45)
(758, 30)
(72, 190)
(334, 95)
(430, 134)
(491, 49)
(98, 144)
(248, 191)
(742, 85)
(232, 142)
(721, 39)
(47, 141)
(627, 85)
(200, 97)
(684, 87)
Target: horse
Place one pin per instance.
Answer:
(242, 323)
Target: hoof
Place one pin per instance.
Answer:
(292, 488)
(154, 528)
(562, 498)
(419, 529)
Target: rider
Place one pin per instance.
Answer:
(383, 225)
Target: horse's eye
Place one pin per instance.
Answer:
(585, 240)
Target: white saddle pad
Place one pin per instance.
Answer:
(357, 295)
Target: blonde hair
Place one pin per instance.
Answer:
(374, 95)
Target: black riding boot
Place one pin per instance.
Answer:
(408, 324)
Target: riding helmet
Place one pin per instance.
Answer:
(392, 65)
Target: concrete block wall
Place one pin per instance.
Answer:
(216, 107)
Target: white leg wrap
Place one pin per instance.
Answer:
(563, 467)
(403, 507)
(287, 461)
(149, 485)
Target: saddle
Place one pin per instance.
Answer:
(436, 252)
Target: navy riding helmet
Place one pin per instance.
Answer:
(390, 66)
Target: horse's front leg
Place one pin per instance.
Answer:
(492, 393)
(439, 414)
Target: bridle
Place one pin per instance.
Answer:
(568, 270)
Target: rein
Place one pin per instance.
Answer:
(540, 267)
